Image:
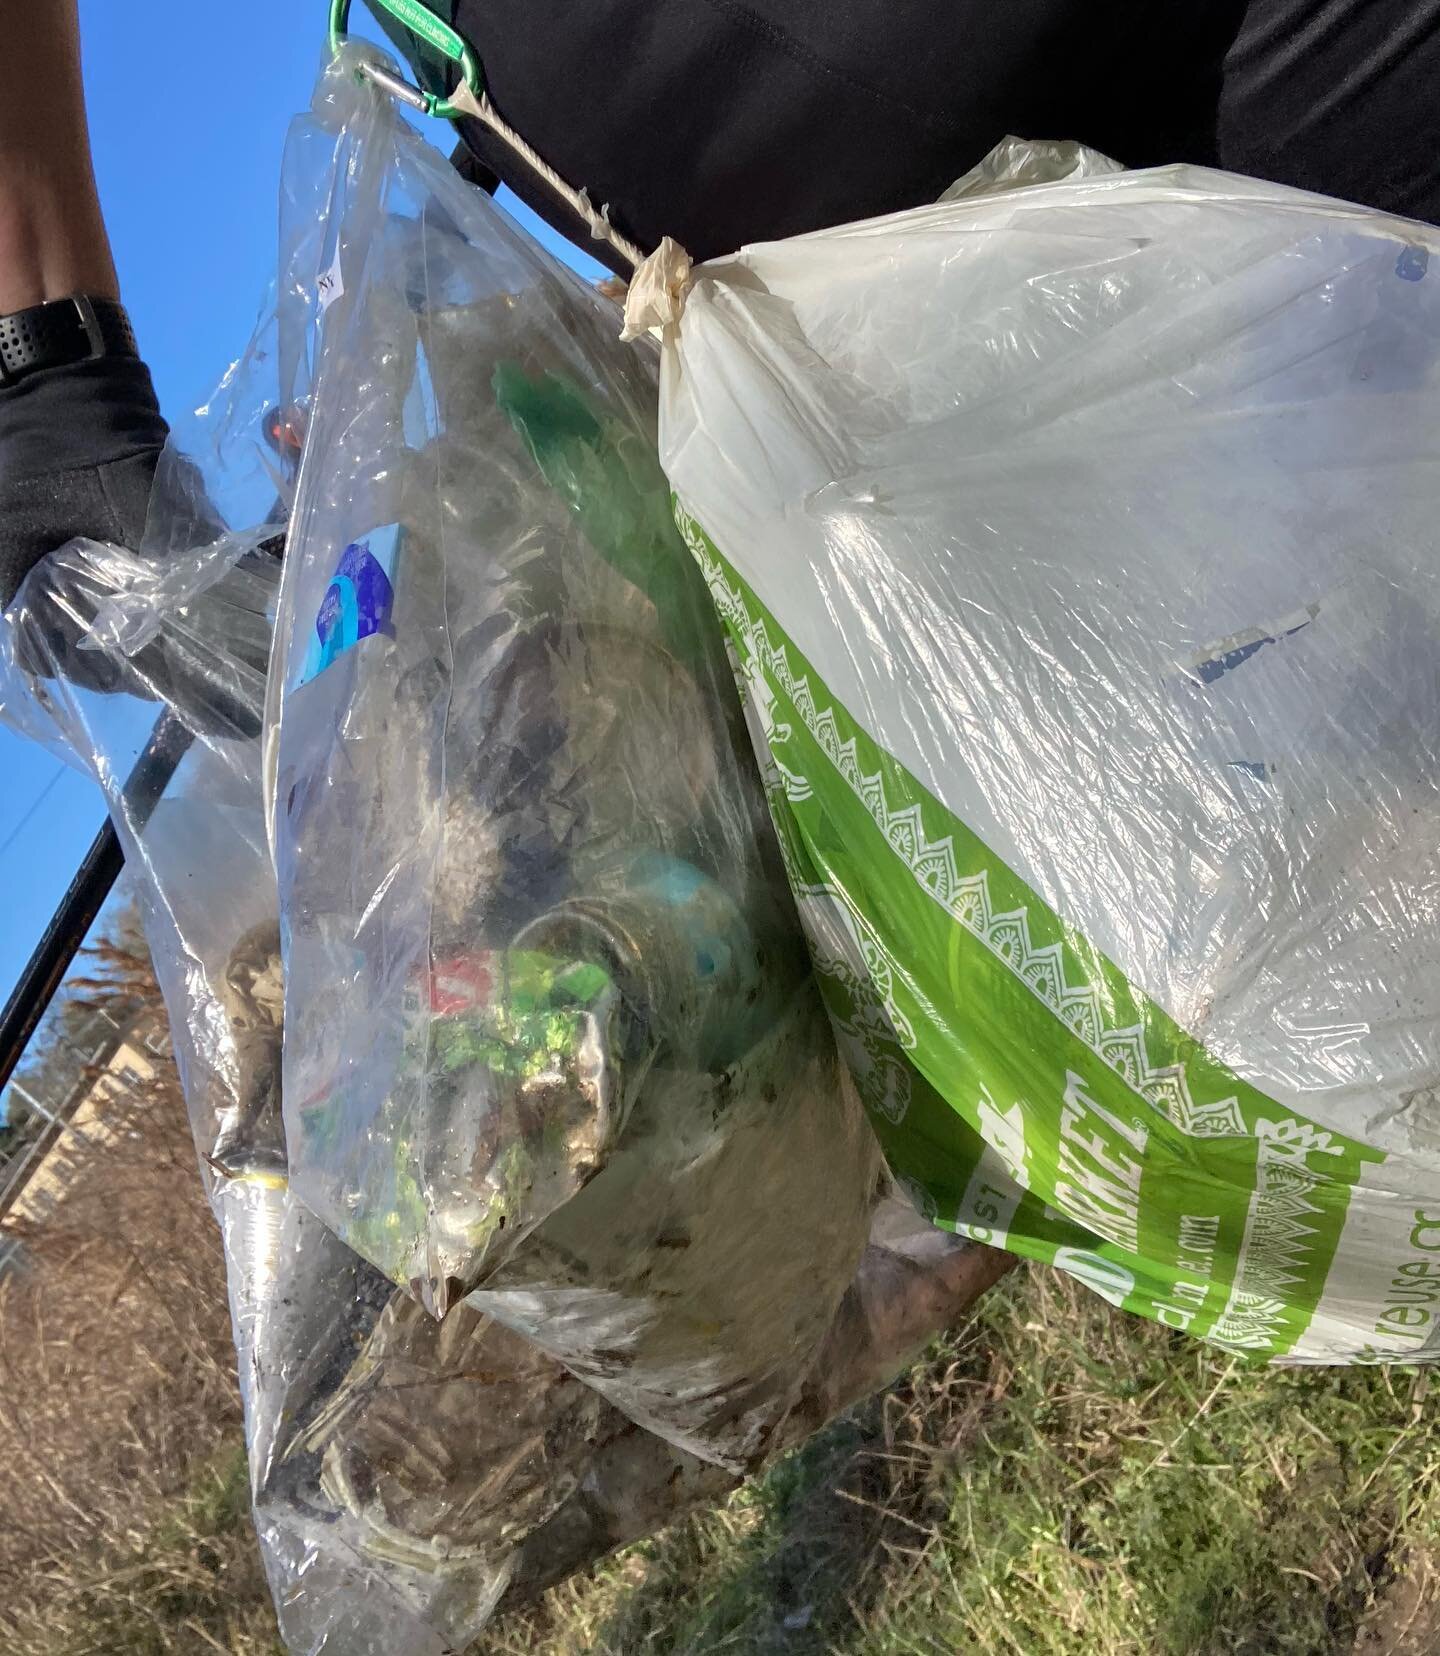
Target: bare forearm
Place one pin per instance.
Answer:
(52, 236)
(79, 436)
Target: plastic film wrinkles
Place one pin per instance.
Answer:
(1071, 534)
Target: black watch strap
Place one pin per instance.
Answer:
(61, 332)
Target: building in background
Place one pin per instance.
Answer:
(124, 1044)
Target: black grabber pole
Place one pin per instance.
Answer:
(94, 879)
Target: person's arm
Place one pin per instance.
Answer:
(78, 443)
(52, 235)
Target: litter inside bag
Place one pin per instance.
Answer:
(711, 1276)
(1075, 542)
(408, 1476)
(404, 1473)
(550, 1029)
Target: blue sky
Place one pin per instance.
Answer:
(188, 103)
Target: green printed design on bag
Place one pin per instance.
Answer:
(1025, 1093)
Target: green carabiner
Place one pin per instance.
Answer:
(434, 31)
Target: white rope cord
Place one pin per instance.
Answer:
(578, 201)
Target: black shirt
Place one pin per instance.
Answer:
(722, 122)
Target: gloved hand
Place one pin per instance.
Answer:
(79, 448)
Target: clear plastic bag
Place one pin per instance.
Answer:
(1075, 540)
(550, 1028)
(150, 677)
(397, 1466)
(146, 670)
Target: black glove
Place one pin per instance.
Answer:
(79, 447)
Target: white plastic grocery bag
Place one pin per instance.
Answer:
(1077, 545)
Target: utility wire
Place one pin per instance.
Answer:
(35, 805)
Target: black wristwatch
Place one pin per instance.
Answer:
(60, 332)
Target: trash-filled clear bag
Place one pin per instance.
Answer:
(1075, 542)
(402, 1471)
(146, 670)
(408, 1475)
(550, 1029)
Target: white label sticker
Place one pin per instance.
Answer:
(328, 286)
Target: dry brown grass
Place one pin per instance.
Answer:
(119, 1415)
